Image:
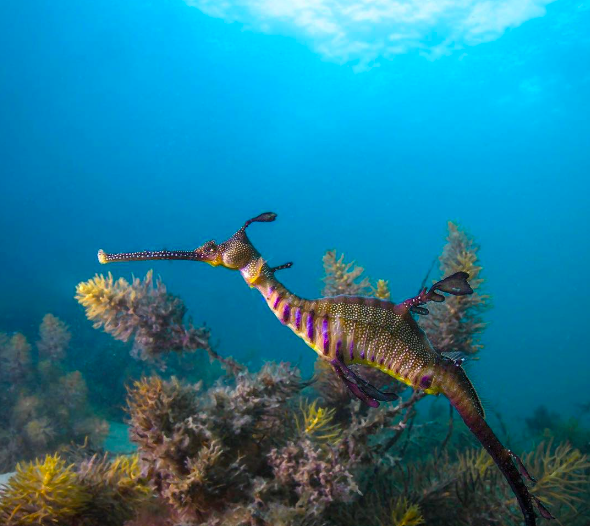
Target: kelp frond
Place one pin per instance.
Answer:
(142, 309)
(456, 325)
(317, 422)
(404, 513)
(382, 291)
(146, 312)
(475, 462)
(343, 278)
(41, 492)
(562, 473)
(54, 338)
(470, 489)
(116, 488)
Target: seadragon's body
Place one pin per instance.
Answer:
(346, 330)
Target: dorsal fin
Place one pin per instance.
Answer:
(455, 356)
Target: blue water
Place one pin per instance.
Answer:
(133, 125)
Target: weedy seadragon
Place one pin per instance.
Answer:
(346, 330)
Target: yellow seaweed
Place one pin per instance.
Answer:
(43, 492)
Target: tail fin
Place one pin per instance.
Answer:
(464, 399)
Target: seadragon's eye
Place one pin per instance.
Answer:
(209, 247)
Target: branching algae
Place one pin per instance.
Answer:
(354, 329)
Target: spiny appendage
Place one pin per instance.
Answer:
(105, 258)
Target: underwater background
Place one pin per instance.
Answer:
(366, 127)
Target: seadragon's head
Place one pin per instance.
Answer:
(237, 253)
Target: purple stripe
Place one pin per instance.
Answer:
(362, 354)
(310, 334)
(325, 335)
(270, 291)
(339, 349)
(286, 313)
(351, 349)
(277, 301)
(426, 381)
(298, 318)
(382, 361)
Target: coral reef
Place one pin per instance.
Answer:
(456, 324)
(147, 313)
(229, 455)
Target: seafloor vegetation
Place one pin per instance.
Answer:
(261, 447)
(43, 404)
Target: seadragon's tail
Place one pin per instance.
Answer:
(464, 399)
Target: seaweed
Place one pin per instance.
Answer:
(317, 422)
(41, 492)
(15, 358)
(404, 513)
(145, 312)
(256, 448)
(456, 324)
(381, 290)
(54, 338)
(343, 278)
(44, 405)
(549, 424)
(262, 448)
(465, 488)
(94, 491)
(114, 489)
(202, 453)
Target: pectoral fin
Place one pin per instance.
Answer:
(359, 387)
